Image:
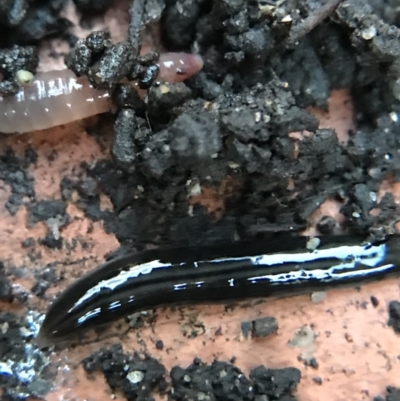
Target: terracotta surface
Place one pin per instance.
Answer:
(358, 354)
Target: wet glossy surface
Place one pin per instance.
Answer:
(156, 278)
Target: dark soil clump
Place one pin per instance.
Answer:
(138, 376)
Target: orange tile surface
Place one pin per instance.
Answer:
(358, 354)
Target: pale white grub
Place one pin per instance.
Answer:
(54, 98)
(59, 97)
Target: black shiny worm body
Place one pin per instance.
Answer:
(164, 277)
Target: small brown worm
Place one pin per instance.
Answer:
(59, 97)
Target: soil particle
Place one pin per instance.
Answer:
(374, 301)
(14, 172)
(165, 97)
(39, 289)
(13, 15)
(23, 370)
(179, 22)
(15, 59)
(217, 381)
(44, 210)
(133, 375)
(223, 381)
(311, 362)
(265, 327)
(104, 63)
(126, 97)
(246, 328)
(381, 40)
(394, 316)
(304, 72)
(46, 277)
(138, 218)
(138, 376)
(87, 51)
(393, 394)
(28, 242)
(327, 225)
(275, 383)
(115, 63)
(195, 139)
(26, 22)
(124, 148)
(6, 292)
(53, 213)
(387, 11)
(261, 327)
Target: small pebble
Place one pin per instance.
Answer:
(313, 243)
(264, 327)
(394, 316)
(374, 301)
(135, 377)
(6, 291)
(369, 33)
(245, 327)
(311, 362)
(318, 296)
(326, 225)
(348, 337)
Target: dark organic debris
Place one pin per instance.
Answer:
(223, 381)
(44, 210)
(265, 326)
(300, 30)
(6, 291)
(23, 367)
(260, 327)
(394, 316)
(104, 63)
(53, 213)
(138, 376)
(393, 394)
(26, 22)
(246, 328)
(14, 172)
(13, 60)
(374, 301)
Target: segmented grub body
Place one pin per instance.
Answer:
(59, 97)
(54, 98)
